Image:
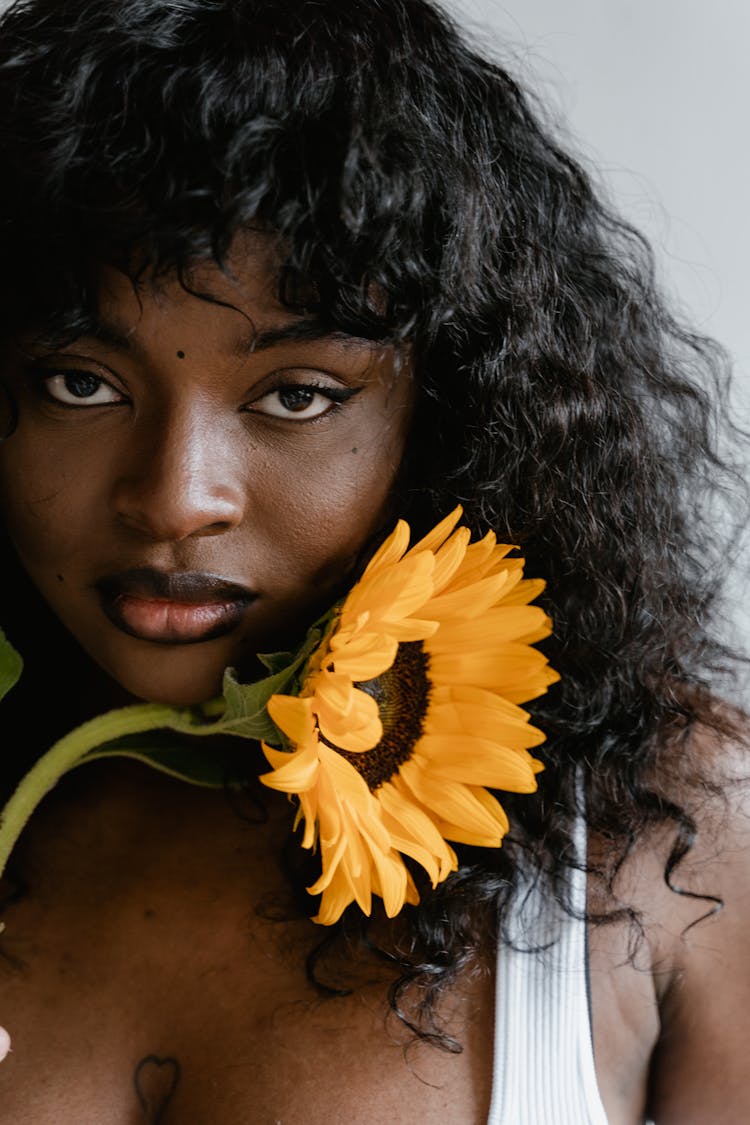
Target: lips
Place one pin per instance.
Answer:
(184, 607)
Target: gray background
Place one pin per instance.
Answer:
(654, 96)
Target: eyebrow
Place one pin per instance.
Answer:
(113, 335)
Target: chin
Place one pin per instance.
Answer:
(177, 697)
(173, 678)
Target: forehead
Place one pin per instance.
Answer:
(246, 288)
(241, 303)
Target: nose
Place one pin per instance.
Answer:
(179, 479)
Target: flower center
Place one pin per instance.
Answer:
(402, 694)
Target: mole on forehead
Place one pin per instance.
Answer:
(119, 336)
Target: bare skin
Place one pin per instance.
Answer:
(158, 983)
(671, 1029)
(149, 977)
(189, 442)
(143, 941)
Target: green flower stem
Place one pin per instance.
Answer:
(68, 753)
(241, 710)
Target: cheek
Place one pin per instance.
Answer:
(325, 509)
(47, 512)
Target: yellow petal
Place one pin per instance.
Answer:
(336, 897)
(308, 807)
(439, 533)
(387, 877)
(297, 773)
(469, 601)
(533, 687)
(411, 629)
(366, 656)
(414, 833)
(490, 717)
(394, 593)
(485, 558)
(524, 591)
(390, 551)
(333, 690)
(509, 669)
(478, 559)
(462, 835)
(357, 731)
(470, 695)
(449, 800)
(333, 844)
(344, 778)
(477, 761)
(449, 558)
(495, 627)
(475, 834)
(293, 715)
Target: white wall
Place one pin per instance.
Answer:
(656, 95)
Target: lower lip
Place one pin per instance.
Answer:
(167, 622)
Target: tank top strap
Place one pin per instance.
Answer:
(543, 1072)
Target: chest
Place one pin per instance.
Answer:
(219, 1039)
(157, 974)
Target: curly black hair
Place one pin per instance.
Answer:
(560, 400)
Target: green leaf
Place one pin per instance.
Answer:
(276, 661)
(11, 665)
(245, 713)
(191, 762)
(141, 731)
(281, 661)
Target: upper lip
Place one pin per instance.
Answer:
(187, 587)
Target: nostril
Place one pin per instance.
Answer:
(171, 514)
(219, 527)
(182, 479)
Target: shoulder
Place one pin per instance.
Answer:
(696, 921)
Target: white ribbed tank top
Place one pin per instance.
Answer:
(543, 1070)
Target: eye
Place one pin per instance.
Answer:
(80, 388)
(301, 402)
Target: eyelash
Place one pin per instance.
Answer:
(44, 376)
(337, 396)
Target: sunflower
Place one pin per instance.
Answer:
(408, 713)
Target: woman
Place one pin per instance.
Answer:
(277, 274)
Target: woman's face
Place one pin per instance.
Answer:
(191, 484)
